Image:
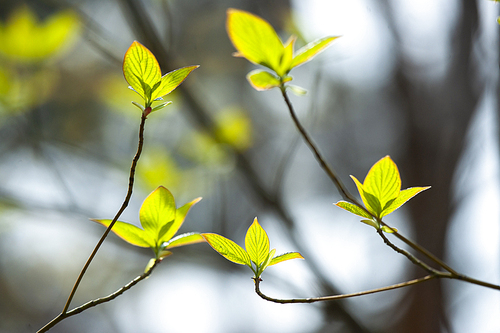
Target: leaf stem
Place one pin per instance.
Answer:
(342, 296)
(117, 216)
(98, 301)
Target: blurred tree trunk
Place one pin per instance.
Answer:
(437, 115)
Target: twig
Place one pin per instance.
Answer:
(98, 301)
(337, 297)
(108, 229)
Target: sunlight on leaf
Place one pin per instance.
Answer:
(257, 243)
(254, 38)
(129, 233)
(285, 257)
(160, 221)
(228, 249)
(381, 193)
(263, 80)
(312, 49)
(157, 210)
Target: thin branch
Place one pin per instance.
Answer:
(337, 297)
(117, 216)
(98, 301)
(452, 274)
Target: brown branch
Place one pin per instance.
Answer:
(90, 304)
(108, 229)
(337, 297)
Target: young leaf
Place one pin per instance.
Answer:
(312, 49)
(383, 181)
(228, 249)
(263, 80)
(254, 38)
(129, 233)
(141, 70)
(257, 243)
(284, 257)
(157, 210)
(350, 207)
(180, 216)
(265, 263)
(371, 203)
(185, 239)
(286, 59)
(172, 80)
(403, 197)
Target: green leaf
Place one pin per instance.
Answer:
(257, 243)
(389, 230)
(370, 204)
(254, 38)
(157, 210)
(263, 80)
(312, 49)
(129, 233)
(285, 257)
(265, 263)
(350, 207)
(371, 223)
(141, 70)
(228, 249)
(286, 59)
(180, 216)
(403, 197)
(185, 239)
(383, 181)
(172, 80)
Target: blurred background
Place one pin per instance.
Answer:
(417, 80)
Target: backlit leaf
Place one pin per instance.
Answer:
(228, 249)
(266, 262)
(254, 38)
(172, 80)
(141, 70)
(284, 257)
(309, 51)
(350, 207)
(383, 181)
(370, 204)
(129, 233)
(263, 80)
(403, 197)
(257, 243)
(157, 210)
(180, 216)
(185, 239)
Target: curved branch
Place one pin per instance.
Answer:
(342, 296)
(90, 304)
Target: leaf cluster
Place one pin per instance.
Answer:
(257, 255)
(143, 74)
(160, 220)
(257, 41)
(381, 193)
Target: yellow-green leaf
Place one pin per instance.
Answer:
(265, 263)
(286, 59)
(309, 51)
(383, 181)
(129, 233)
(254, 38)
(284, 257)
(185, 239)
(403, 197)
(350, 207)
(172, 80)
(263, 80)
(180, 216)
(141, 70)
(228, 249)
(369, 200)
(157, 210)
(257, 243)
